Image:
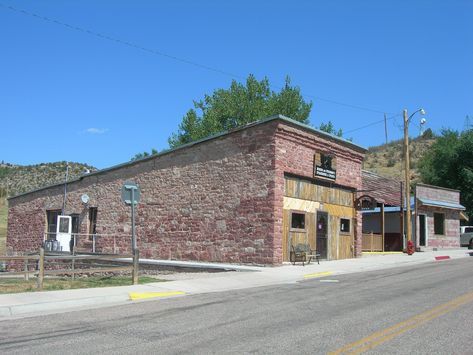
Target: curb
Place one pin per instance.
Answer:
(72, 304)
(442, 257)
(135, 296)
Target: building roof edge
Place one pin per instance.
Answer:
(208, 138)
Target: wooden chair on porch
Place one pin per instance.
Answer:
(301, 252)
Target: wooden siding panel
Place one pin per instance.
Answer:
(333, 238)
(339, 211)
(297, 237)
(305, 190)
(372, 242)
(311, 229)
(305, 196)
(345, 246)
(291, 187)
(291, 203)
(286, 220)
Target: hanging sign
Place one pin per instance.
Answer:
(365, 203)
(324, 166)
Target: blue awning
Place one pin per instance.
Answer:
(386, 210)
(423, 202)
(441, 204)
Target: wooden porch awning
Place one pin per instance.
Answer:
(464, 216)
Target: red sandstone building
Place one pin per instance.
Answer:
(244, 196)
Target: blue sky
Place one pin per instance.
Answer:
(69, 95)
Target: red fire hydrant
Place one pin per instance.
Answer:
(410, 247)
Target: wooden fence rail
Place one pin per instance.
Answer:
(40, 261)
(372, 242)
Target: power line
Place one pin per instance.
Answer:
(373, 123)
(169, 56)
(120, 41)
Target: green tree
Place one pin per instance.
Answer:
(139, 156)
(449, 163)
(428, 134)
(330, 128)
(240, 104)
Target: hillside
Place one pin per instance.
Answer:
(388, 159)
(15, 179)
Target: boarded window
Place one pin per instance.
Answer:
(344, 225)
(298, 221)
(75, 223)
(439, 223)
(93, 220)
(326, 161)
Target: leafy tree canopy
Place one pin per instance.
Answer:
(449, 163)
(428, 134)
(239, 105)
(329, 128)
(139, 156)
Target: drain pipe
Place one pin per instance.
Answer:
(65, 190)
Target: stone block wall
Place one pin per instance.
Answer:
(211, 201)
(217, 200)
(26, 226)
(437, 193)
(451, 238)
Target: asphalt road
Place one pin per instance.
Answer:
(425, 309)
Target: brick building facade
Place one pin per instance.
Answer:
(437, 221)
(218, 199)
(436, 214)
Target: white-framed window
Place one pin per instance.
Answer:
(297, 220)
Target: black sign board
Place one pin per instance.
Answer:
(324, 172)
(365, 203)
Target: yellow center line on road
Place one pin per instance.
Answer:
(319, 274)
(144, 295)
(384, 335)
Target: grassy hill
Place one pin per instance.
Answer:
(16, 179)
(388, 159)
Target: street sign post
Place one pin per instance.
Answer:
(131, 195)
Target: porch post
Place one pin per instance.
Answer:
(382, 225)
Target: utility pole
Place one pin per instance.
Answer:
(407, 176)
(386, 128)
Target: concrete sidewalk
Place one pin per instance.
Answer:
(40, 303)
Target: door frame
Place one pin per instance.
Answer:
(327, 244)
(425, 230)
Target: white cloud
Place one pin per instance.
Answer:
(94, 130)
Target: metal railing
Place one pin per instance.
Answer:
(92, 243)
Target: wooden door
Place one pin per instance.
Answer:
(322, 234)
